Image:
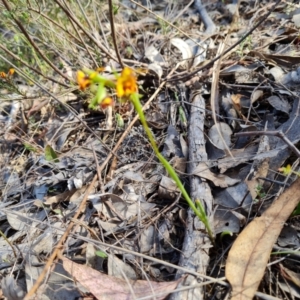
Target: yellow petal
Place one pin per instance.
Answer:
(107, 102)
(82, 80)
(119, 88)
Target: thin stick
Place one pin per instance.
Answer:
(98, 171)
(279, 134)
(215, 94)
(9, 243)
(113, 32)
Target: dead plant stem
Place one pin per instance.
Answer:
(83, 43)
(279, 134)
(9, 243)
(113, 32)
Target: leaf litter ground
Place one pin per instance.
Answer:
(134, 237)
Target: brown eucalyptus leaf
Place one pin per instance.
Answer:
(250, 252)
(106, 287)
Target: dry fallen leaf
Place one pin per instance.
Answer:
(250, 252)
(220, 180)
(290, 275)
(256, 95)
(106, 287)
(214, 135)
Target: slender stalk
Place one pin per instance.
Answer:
(9, 243)
(113, 32)
(200, 212)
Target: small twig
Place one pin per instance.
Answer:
(83, 43)
(215, 94)
(125, 133)
(9, 243)
(98, 171)
(279, 134)
(209, 64)
(113, 32)
(274, 181)
(56, 24)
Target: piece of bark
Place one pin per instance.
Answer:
(195, 249)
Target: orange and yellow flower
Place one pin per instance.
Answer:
(126, 83)
(83, 80)
(8, 75)
(106, 102)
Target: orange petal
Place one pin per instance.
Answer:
(120, 88)
(100, 69)
(82, 80)
(106, 102)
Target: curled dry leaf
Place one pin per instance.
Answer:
(250, 252)
(105, 287)
(183, 47)
(156, 70)
(256, 95)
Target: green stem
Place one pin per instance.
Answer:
(200, 212)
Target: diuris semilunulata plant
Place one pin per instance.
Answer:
(125, 85)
